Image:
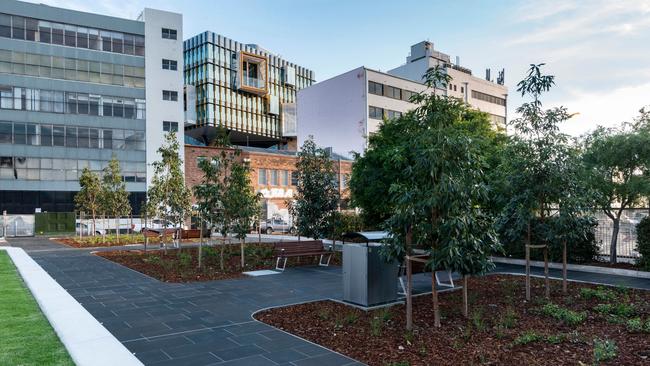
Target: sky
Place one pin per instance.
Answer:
(598, 50)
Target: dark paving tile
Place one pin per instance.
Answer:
(194, 360)
(328, 359)
(250, 361)
(238, 352)
(286, 355)
(149, 357)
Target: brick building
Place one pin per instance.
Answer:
(273, 174)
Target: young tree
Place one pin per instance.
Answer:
(437, 187)
(210, 193)
(115, 198)
(541, 174)
(619, 163)
(168, 196)
(317, 197)
(241, 203)
(88, 199)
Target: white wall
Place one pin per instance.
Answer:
(157, 80)
(334, 111)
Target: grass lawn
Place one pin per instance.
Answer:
(26, 337)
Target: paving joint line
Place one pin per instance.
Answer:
(188, 331)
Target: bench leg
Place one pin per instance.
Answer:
(401, 284)
(449, 284)
(277, 264)
(326, 264)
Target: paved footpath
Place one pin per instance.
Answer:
(210, 323)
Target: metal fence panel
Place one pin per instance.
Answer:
(626, 244)
(19, 225)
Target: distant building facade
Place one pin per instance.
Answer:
(241, 90)
(273, 175)
(343, 111)
(76, 89)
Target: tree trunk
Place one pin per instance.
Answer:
(528, 264)
(94, 217)
(434, 299)
(409, 297)
(409, 281)
(221, 262)
(564, 267)
(465, 299)
(614, 242)
(547, 282)
(117, 229)
(200, 241)
(241, 249)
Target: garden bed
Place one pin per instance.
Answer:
(612, 325)
(112, 241)
(173, 266)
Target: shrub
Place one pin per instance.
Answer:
(568, 317)
(604, 350)
(599, 293)
(634, 325)
(184, 259)
(509, 318)
(643, 243)
(583, 250)
(527, 337)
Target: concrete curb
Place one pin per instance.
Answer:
(86, 340)
(576, 267)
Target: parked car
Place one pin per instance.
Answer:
(277, 225)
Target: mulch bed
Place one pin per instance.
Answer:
(124, 240)
(494, 334)
(170, 267)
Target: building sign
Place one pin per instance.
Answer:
(276, 193)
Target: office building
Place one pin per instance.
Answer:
(343, 111)
(78, 88)
(240, 89)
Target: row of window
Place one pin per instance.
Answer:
(46, 169)
(488, 98)
(455, 88)
(276, 177)
(70, 136)
(54, 67)
(55, 101)
(382, 113)
(36, 30)
(169, 126)
(389, 91)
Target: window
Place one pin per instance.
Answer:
(170, 126)
(393, 114)
(294, 178)
(407, 95)
(488, 98)
(274, 177)
(454, 87)
(261, 177)
(375, 112)
(170, 95)
(169, 64)
(375, 88)
(284, 178)
(462, 90)
(169, 33)
(392, 92)
(5, 133)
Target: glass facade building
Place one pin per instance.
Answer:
(243, 89)
(73, 95)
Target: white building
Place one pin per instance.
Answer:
(343, 111)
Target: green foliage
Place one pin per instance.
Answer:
(543, 181)
(634, 325)
(184, 259)
(508, 319)
(317, 197)
(431, 182)
(528, 337)
(114, 197)
(89, 197)
(618, 160)
(375, 326)
(478, 322)
(620, 309)
(568, 317)
(643, 243)
(344, 223)
(604, 350)
(599, 293)
(240, 202)
(168, 196)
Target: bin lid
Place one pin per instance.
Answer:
(367, 235)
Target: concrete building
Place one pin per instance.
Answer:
(241, 89)
(273, 174)
(343, 111)
(78, 88)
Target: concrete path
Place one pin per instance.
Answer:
(210, 322)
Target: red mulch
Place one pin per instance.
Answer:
(168, 267)
(487, 338)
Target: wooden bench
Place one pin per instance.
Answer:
(311, 248)
(190, 234)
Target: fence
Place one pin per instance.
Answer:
(626, 244)
(17, 225)
(54, 222)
